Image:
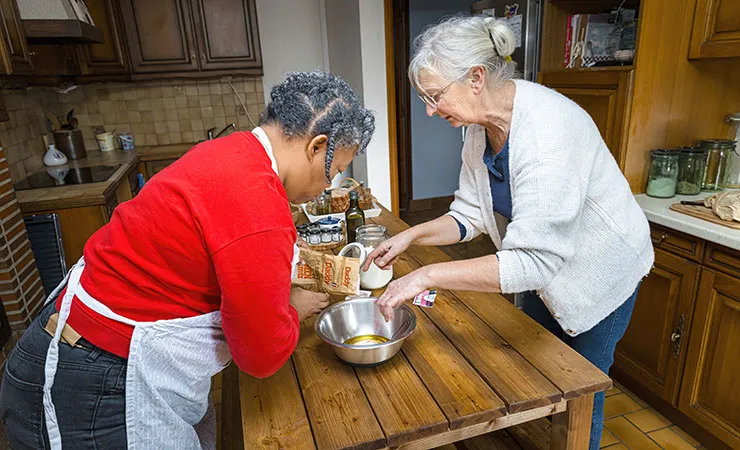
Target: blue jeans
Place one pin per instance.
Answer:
(88, 393)
(596, 345)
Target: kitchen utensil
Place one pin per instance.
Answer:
(71, 143)
(54, 121)
(361, 317)
(696, 203)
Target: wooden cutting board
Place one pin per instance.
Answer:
(704, 213)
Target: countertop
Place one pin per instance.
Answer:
(657, 211)
(60, 197)
(160, 152)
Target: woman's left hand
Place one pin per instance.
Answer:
(400, 290)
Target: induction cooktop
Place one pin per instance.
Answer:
(65, 176)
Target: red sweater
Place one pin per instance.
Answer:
(213, 231)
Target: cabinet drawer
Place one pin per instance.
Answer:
(722, 258)
(676, 242)
(153, 167)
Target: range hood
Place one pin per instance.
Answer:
(58, 21)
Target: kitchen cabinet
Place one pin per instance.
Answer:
(709, 392)
(192, 38)
(159, 35)
(716, 30)
(680, 351)
(154, 167)
(14, 49)
(604, 94)
(226, 33)
(108, 58)
(653, 348)
(50, 61)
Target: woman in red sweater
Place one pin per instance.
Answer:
(191, 273)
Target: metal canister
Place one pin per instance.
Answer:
(71, 143)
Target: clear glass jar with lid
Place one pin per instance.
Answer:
(663, 174)
(716, 159)
(370, 236)
(690, 170)
(730, 178)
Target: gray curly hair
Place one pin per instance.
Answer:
(307, 104)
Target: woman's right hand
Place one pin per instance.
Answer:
(388, 251)
(308, 303)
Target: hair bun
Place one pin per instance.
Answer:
(502, 36)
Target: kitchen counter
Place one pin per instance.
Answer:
(73, 196)
(657, 211)
(161, 152)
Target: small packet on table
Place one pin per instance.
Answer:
(426, 298)
(335, 275)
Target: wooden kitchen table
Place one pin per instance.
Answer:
(475, 364)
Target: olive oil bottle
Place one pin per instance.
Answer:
(354, 216)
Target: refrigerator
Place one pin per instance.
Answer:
(525, 19)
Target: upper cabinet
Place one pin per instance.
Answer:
(109, 57)
(160, 35)
(14, 48)
(227, 35)
(716, 30)
(192, 37)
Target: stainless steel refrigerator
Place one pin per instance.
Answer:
(525, 19)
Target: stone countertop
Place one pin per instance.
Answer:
(657, 211)
(73, 196)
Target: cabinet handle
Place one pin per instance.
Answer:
(659, 240)
(31, 53)
(192, 58)
(676, 336)
(203, 58)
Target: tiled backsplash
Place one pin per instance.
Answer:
(157, 113)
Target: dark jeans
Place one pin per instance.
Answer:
(596, 345)
(88, 393)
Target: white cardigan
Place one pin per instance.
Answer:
(577, 236)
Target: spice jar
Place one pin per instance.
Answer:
(730, 178)
(690, 170)
(336, 234)
(323, 204)
(716, 153)
(325, 235)
(314, 237)
(663, 174)
(370, 236)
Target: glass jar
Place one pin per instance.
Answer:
(663, 174)
(730, 178)
(314, 237)
(690, 170)
(715, 161)
(326, 235)
(336, 234)
(323, 204)
(370, 236)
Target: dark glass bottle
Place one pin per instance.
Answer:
(354, 216)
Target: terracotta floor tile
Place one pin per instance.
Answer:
(607, 438)
(619, 446)
(648, 420)
(629, 434)
(670, 440)
(634, 397)
(619, 404)
(613, 391)
(676, 429)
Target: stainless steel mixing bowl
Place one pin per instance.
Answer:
(361, 316)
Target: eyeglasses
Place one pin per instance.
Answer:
(433, 100)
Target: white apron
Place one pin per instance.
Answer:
(168, 375)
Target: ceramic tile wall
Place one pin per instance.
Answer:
(157, 113)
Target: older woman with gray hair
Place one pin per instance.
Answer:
(576, 243)
(191, 273)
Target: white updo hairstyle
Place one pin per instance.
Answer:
(452, 47)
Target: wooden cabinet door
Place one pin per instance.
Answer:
(108, 58)
(14, 49)
(716, 30)
(159, 35)
(710, 391)
(227, 34)
(652, 350)
(604, 94)
(154, 167)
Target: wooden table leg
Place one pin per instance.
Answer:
(571, 430)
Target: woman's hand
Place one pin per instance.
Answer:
(308, 303)
(388, 251)
(300, 243)
(400, 290)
